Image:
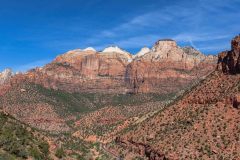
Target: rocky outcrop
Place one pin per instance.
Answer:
(236, 101)
(5, 76)
(141, 149)
(5, 80)
(142, 52)
(115, 49)
(167, 67)
(229, 61)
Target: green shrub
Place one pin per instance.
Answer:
(60, 153)
(18, 142)
(44, 147)
(35, 153)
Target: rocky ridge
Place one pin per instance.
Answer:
(142, 52)
(165, 68)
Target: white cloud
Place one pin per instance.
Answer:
(198, 37)
(215, 47)
(183, 22)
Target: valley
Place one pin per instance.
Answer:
(165, 103)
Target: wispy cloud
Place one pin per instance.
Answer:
(208, 25)
(181, 22)
(215, 47)
(198, 37)
(189, 23)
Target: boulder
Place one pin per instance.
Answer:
(23, 90)
(236, 101)
(222, 62)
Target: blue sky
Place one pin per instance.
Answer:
(32, 32)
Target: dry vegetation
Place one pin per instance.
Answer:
(203, 125)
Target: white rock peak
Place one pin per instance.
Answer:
(115, 49)
(90, 49)
(74, 51)
(143, 51)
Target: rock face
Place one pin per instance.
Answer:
(163, 69)
(84, 71)
(229, 61)
(5, 76)
(167, 67)
(142, 149)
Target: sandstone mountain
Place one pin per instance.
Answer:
(167, 67)
(163, 69)
(202, 124)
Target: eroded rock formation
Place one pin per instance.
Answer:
(236, 101)
(164, 68)
(229, 61)
(167, 67)
(141, 149)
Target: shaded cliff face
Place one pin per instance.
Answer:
(202, 124)
(84, 71)
(229, 61)
(165, 68)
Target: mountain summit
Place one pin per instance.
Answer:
(142, 52)
(115, 49)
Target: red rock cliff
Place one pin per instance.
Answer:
(165, 68)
